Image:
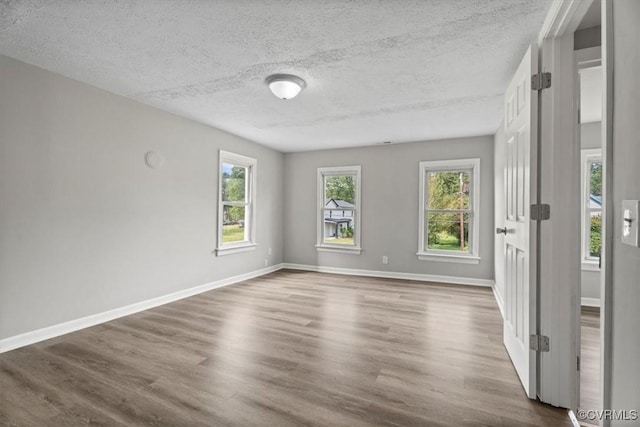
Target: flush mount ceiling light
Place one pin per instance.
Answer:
(285, 86)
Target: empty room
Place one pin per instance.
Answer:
(327, 213)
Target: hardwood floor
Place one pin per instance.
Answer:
(590, 358)
(289, 348)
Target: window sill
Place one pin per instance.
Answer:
(346, 250)
(590, 266)
(461, 259)
(230, 250)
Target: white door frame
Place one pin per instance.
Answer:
(559, 299)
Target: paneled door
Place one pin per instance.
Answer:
(520, 125)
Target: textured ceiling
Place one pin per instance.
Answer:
(399, 70)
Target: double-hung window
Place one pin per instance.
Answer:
(338, 222)
(591, 168)
(236, 203)
(449, 211)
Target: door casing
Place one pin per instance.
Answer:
(559, 263)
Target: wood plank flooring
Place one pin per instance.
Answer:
(290, 348)
(590, 358)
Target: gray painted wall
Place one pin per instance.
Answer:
(390, 186)
(625, 393)
(85, 226)
(588, 37)
(590, 137)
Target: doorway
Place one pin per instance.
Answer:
(570, 28)
(589, 95)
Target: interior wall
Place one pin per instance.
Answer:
(590, 137)
(86, 226)
(500, 208)
(625, 340)
(588, 37)
(390, 188)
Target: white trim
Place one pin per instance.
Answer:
(321, 245)
(587, 155)
(560, 236)
(338, 249)
(589, 57)
(499, 299)
(53, 331)
(474, 222)
(559, 279)
(440, 257)
(590, 302)
(229, 250)
(590, 266)
(563, 18)
(392, 275)
(608, 211)
(250, 202)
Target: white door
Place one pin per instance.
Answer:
(521, 111)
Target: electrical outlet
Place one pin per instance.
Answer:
(385, 259)
(266, 262)
(269, 251)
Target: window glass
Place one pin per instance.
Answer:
(339, 209)
(236, 215)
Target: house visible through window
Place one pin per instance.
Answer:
(339, 209)
(449, 210)
(591, 206)
(236, 217)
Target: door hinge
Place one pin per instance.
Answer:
(538, 342)
(540, 212)
(578, 363)
(541, 81)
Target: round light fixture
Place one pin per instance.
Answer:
(285, 86)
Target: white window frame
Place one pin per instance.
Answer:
(473, 256)
(321, 245)
(249, 243)
(587, 156)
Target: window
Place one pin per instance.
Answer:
(236, 204)
(591, 165)
(339, 209)
(449, 200)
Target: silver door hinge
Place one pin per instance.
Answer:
(541, 81)
(538, 342)
(540, 212)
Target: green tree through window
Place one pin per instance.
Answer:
(448, 206)
(341, 187)
(233, 189)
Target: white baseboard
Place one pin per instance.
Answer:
(38, 335)
(393, 275)
(590, 302)
(499, 299)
